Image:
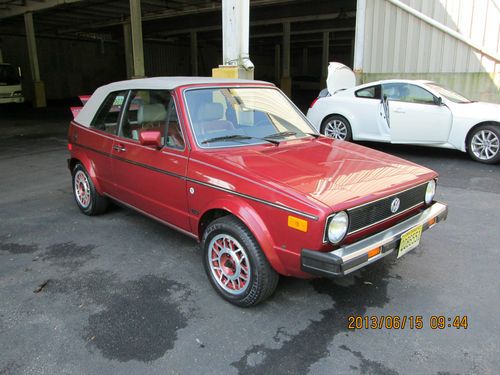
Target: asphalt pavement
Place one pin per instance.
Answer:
(123, 294)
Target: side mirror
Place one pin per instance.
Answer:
(439, 101)
(150, 138)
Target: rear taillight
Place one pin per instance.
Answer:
(313, 102)
(70, 147)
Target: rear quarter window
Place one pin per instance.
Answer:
(372, 92)
(108, 115)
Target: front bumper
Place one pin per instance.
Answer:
(12, 99)
(352, 257)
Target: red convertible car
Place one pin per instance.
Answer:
(235, 165)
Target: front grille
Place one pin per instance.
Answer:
(380, 210)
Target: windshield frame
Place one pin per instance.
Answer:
(434, 86)
(208, 146)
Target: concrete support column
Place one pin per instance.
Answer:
(39, 87)
(359, 40)
(127, 44)
(325, 58)
(277, 63)
(194, 53)
(286, 80)
(137, 42)
(236, 61)
(305, 61)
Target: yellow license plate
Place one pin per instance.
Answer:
(409, 240)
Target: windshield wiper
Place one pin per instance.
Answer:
(315, 135)
(280, 135)
(237, 137)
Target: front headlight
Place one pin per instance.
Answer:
(430, 191)
(337, 227)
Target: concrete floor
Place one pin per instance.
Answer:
(126, 295)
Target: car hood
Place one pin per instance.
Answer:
(336, 173)
(478, 110)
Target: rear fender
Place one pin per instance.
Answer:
(249, 216)
(80, 157)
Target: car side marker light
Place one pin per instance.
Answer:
(296, 223)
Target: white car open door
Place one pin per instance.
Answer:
(415, 116)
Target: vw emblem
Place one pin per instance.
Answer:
(395, 205)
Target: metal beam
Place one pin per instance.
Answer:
(34, 7)
(169, 13)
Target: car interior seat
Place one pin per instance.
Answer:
(150, 116)
(210, 119)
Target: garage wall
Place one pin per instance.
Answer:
(398, 44)
(68, 67)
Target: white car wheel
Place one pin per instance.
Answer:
(337, 127)
(484, 144)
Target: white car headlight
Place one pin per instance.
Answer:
(337, 227)
(430, 191)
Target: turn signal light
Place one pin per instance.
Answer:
(374, 252)
(431, 222)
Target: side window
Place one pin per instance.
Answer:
(393, 91)
(109, 114)
(174, 134)
(419, 95)
(147, 110)
(405, 92)
(373, 92)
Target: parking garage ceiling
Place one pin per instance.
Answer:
(172, 20)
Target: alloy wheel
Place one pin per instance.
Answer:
(485, 144)
(82, 189)
(336, 129)
(229, 264)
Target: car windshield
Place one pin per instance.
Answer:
(8, 75)
(448, 93)
(226, 117)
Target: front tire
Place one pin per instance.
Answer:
(338, 127)
(235, 264)
(483, 144)
(87, 198)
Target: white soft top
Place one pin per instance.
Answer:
(87, 113)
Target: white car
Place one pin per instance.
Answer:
(409, 112)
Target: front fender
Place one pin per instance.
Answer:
(241, 209)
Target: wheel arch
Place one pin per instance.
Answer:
(472, 129)
(88, 165)
(249, 217)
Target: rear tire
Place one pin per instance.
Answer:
(235, 264)
(87, 198)
(338, 127)
(483, 144)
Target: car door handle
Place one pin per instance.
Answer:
(119, 148)
(399, 110)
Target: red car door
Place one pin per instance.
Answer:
(147, 178)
